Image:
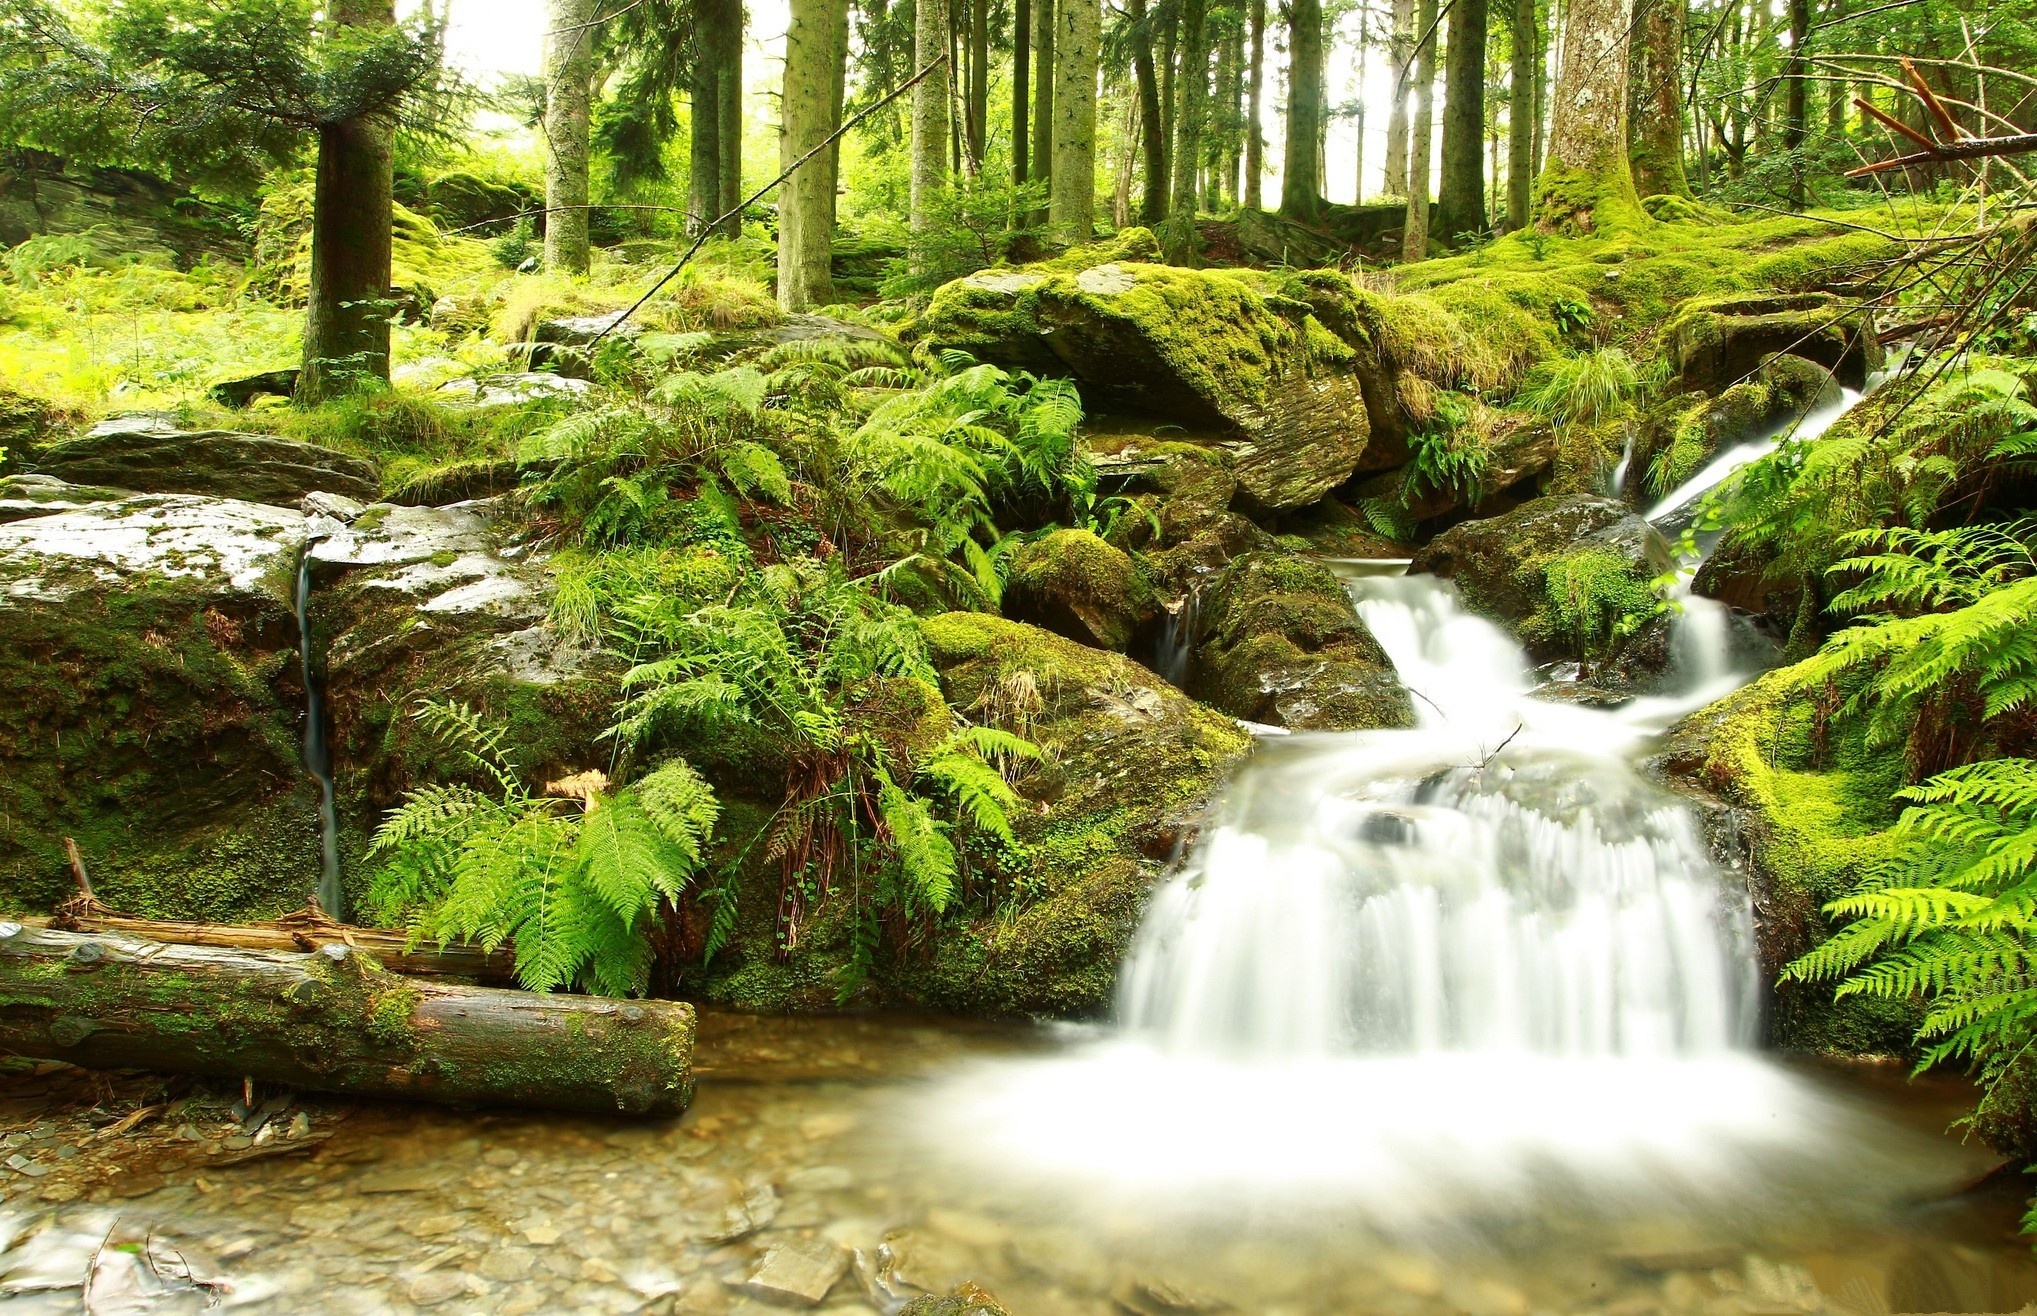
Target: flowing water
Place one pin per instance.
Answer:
(317, 753)
(1455, 1019)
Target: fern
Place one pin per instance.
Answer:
(572, 889)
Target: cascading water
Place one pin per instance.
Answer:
(317, 754)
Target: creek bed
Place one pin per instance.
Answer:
(841, 1132)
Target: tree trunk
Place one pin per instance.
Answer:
(1255, 122)
(569, 94)
(1460, 201)
(1043, 93)
(839, 67)
(1220, 129)
(979, 79)
(1414, 238)
(703, 192)
(1587, 181)
(390, 949)
(1153, 202)
(346, 321)
(1401, 50)
(1302, 164)
(1180, 238)
(1655, 98)
(1542, 50)
(805, 200)
(729, 119)
(1021, 89)
(1796, 115)
(929, 120)
(334, 1020)
(1072, 196)
(1521, 72)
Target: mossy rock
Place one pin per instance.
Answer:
(1686, 431)
(1180, 522)
(1804, 809)
(1743, 577)
(1209, 349)
(1485, 557)
(1714, 343)
(151, 708)
(147, 456)
(1279, 642)
(25, 496)
(1075, 584)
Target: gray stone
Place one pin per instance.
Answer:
(513, 389)
(222, 463)
(798, 1272)
(24, 496)
(225, 547)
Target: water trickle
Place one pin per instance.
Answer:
(1175, 649)
(1675, 507)
(317, 753)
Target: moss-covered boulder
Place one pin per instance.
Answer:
(1687, 431)
(1179, 519)
(1803, 811)
(151, 708)
(1572, 575)
(1075, 584)
(1741, 576)
(1208, 349)
(1279, 642)
(1129, 764)
(149, 456)
(1716, 342)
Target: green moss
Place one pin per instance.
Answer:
(1592, 599)
(1076, 584)
(389, 1014)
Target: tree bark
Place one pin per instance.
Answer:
(346, 320)
(703, 191)
(1521, 75)
(1043, 92)
(569, 94)
(1796, 115)
(979, 80)
(1021, 89)
(1193, 84)
(1414, 238)
(1587, 181)
(334, 1020)
(805, 200)
(1358, 156)
(1655, 98)
(1153, 147)
(1072, 198)
(1460, 201)
(729, 119)
(1401, 50)
(929, 120)
(1302, 164)
(839, 68)
(1255, 121)
(390, 949)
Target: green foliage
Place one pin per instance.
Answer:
(572, 878)
(1588, 388)
(973, 223)
(1594, 598)
(1447, 454)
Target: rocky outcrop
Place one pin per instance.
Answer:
(147, 455)
(1486, 558)
(122, 214)
(1129, 764)
(1279, 642)
(1074, 584)
(431, 602)
(25, 496)
(1714, 343)
(1205, 349)
(151, 708)
(1686, 431)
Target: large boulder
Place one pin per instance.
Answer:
(1279, 642)
(25, 496)
(1129, 764)
(148, 455)
(151, 708)
(1075, 584)
(1571, 574)
(1716, 342)
(411, 603)
(1207, 349)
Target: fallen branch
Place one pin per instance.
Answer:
(1952, 143)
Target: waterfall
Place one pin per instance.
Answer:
(1174, 652)
(1677, 505)
(317, 754)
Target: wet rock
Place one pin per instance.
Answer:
(966, 1300)
(1075, 584)
(148, 655)
(1280, 643)
(1686, 432)
(798, 1272)
(1202, 348)
(148, 458)
(1714, 343)
(25, 496)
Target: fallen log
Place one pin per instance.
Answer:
(334, 1020)
(391, 949)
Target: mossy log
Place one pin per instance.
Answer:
(391, 949)
(335, 1020)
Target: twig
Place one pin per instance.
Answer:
(707, 230)
(78, 873)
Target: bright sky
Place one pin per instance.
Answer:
(493, 37)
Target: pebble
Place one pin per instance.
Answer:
(798, 1271)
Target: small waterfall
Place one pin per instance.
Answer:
(1499, 880)
(1683, 499)
(1174, 652)
(317, 754)
(1620, 472)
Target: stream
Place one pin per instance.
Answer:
(1455, 1019)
